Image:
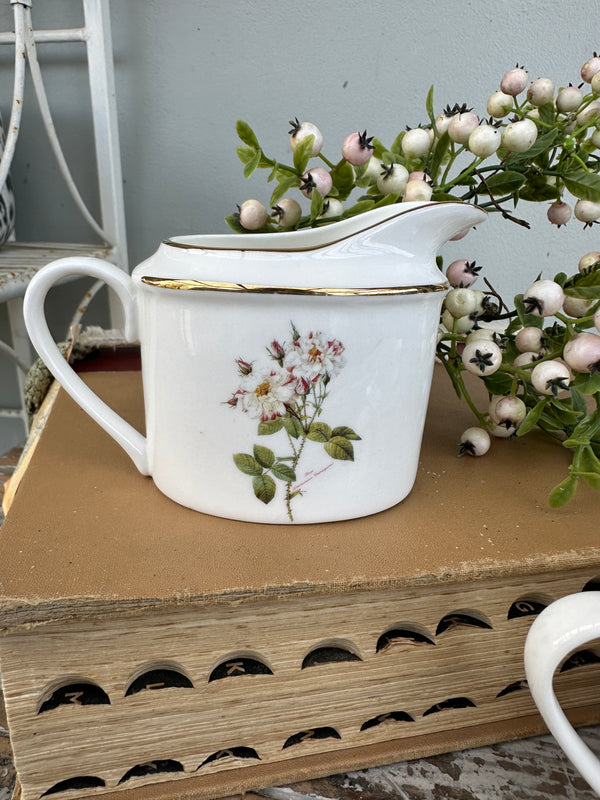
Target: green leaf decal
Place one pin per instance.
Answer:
(283, 472)
(293, 426)
(346, 432)
(561, 494)
(264, 456)
(340, 448)
(270, 426)
(247, 464)
(319, 432)
(246, 134)
(264, 488)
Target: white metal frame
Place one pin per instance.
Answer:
(19, 260)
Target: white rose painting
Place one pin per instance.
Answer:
(286, 393)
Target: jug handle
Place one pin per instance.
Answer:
(122, 432)
(566, 624)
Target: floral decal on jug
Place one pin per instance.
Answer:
(286, 392)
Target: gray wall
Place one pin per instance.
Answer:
(187, 69)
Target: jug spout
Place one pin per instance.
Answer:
(420, 229)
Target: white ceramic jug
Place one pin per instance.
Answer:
(286, 376)
(564, 626)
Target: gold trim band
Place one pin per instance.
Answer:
(218, 286)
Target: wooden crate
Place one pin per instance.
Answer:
(146, 645)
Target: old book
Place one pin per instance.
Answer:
(151, 651)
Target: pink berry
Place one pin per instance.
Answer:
(316, 178)
(540, 92)
(514, 81)
(582, 352)
(559, 213)
(462, 273)
(356, 148)
(461, 126)
(252, 215)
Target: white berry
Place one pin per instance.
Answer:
(530, 340)
(568, 99)
(416, 143)
(481, 357)
(474, 442)
(303, 129)
(519, 136)
(484, 140)
(543, 298)
(252, 215)
(417, 190)
(461, 126)
(587, 211)
(550, 377)
(499, 104)
(392, 179)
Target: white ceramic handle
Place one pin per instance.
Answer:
(562, 627)
(130, 440)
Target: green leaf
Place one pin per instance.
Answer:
(563, 492)
(252, 164)
(270, 426)
(589, 467)
(247, 464)
(346, 432)
(396, 147)
(584, 185)
(245, 153)
(283, 187)
(532, 418)
(378, 148)
(234, 223)
(264, 456)
(587, 384)
(303, 152)
(440, 152)
(342, 176)
(498, 383)
(264, 488)
(578, 399)
(584, 284)
(319, 432)
(246, 134)
(506, 182)
(359, 208)
(340, 448)
(537, 189)
(283, 472)
(293, 426)
(429, 105)
(316, 205)
(547, 113)
(584, 430)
